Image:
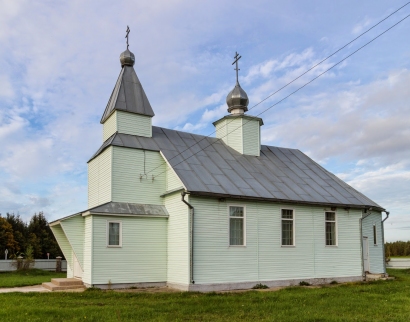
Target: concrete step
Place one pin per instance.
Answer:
(374, 277)
(67, 282)
(53, 287)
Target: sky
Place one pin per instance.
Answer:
(59, 61)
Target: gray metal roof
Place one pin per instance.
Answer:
(128, 95)
(124, 208)
(279, 174)
(121, 208)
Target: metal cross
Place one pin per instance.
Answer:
(128, 31)
(237, 57)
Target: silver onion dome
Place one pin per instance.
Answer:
(237, 99)
(127, 58)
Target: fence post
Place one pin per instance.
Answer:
(19, 263)
(58, 264)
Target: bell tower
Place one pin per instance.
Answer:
(238, 130)
(128, 110)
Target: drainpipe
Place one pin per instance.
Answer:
(368, 213)
(191, 228)
(384, 251)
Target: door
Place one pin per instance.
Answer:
(366, 264)
(77, 270)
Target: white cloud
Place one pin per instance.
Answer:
(361, 26)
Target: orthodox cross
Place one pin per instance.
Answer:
(237, 57)
(128, 31)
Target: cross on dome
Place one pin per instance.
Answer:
(127, 31)
(237, 57)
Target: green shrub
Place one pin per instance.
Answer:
(260, 286)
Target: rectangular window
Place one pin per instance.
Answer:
(114, 234)
(287, 227)
(236, 226)
(374, 235)
(330, 223)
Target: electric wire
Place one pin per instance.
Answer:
(289, 83)
(294, 92)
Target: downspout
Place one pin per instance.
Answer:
(191, 228)
(384, 251)
(368, 213)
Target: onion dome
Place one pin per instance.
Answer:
(127, 58)
(237, 100)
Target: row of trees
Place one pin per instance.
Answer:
(397, 248)
(17, 236)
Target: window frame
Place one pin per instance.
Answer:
(108, 233)
(374, 234)
(336, 228)
(229, 224)
(293, 227)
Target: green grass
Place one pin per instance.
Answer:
(26, 278)
(399, 256)
(377, 301)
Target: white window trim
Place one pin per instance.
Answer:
(229, 225)
(108, 233)
(375, 234)
(294, 227)
(336, 230)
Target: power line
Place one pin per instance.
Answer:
(291, 82)
(294, 92)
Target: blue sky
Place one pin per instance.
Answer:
(60, 60)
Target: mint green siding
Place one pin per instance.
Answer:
(263, 258)
(142, 257)
(127, 123)
(130, 184)
(241, 134)
(110, 126)
(376, 256)
(178, 240)
(134, 124)
(173, 181)
(251, 137)
(65, 247)
(74, 230)
(88, 250)
(99, 179)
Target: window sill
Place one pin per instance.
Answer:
(114, 246)
(332, 246)
(288, 246)
(237, 246)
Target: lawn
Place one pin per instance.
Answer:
(25, 278)
(376, 301)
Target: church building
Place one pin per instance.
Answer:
(171, 208)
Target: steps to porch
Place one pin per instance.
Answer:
(62, 284)
(376, 277)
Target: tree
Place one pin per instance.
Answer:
(20, 230)
(7, 240)
(41, 237)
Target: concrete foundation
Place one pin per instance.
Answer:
(214, 287)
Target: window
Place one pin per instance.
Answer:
(374, 235)
(236, 226)
(287, 227)
(330, 223)
(114, 234)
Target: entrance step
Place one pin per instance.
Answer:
(375, 277)
(60, 284)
